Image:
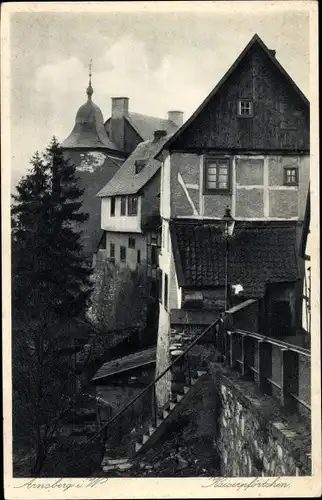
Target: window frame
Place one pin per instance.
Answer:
(160, 284)
(154, 253)
(113, 206)
(285, 176)
(207, 162)
(123, 205)
(130, 241)
(122, 248)
(166, 291)
(130, 211)
(239, 104)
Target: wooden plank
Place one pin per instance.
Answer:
(289, 379)
(247, 357)
(264, 366)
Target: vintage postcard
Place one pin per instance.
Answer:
(160, 214)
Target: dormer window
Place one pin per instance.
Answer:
(139, 165)
(245, 108)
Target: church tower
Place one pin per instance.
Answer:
(96, 159)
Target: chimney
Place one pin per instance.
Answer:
(120, 107)
(272, 52)
(176, 117)
(158, 134)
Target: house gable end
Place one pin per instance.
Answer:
(280, 112)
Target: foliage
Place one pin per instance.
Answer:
(50, 286)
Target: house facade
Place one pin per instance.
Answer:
(130, 209)
(99, 148)
(247, 148)
(305, 252)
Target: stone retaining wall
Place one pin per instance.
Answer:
(253, 437)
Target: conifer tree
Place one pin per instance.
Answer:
(50, 286)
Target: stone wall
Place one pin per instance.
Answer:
(253, 437)
(120, 296)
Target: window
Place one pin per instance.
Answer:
(217, 175)
(123, 254)
(112, 206)
(131, 242)
(132, 205)
(291, 176)
(123, 205)
(139, 257)
(165, 291)
(112, 251)
(159, 284)
(154, 255)
(139, 165)
(245, 108)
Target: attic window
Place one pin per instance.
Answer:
(139, 165)
(245, 108)
(291, 176)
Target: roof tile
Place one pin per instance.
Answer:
(258, 254)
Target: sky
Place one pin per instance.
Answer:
(161, 61)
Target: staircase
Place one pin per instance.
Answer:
(184, 381)
(154, 428)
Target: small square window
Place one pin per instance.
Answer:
(291, 176)
(123, 254)
(123, 205)
(245, 108)
(131, 242)
(217, 175)
(112, 206)
(132, 205)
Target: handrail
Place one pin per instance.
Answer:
(197, 339)
(278, 343)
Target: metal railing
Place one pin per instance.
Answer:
(183, 360)
(279, 368)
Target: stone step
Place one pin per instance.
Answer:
(172, 405)
(165, 413)
(186, 389)
(151, 430)
(179, 397)
(145, 438)
(118, 467)
(200, 373)
(138, 446)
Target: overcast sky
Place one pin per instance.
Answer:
(161, 61)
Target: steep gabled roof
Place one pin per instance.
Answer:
(260, 253)
(126, 181)
(145, 125)
(255, 40)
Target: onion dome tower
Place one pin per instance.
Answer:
(89, 131)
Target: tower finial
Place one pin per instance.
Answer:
(90, 90)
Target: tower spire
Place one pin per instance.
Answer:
(90, 90)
